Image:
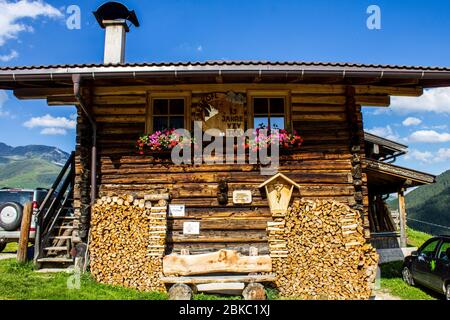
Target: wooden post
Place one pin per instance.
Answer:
(402, 215)
(24, 232)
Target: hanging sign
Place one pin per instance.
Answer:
(223, 113)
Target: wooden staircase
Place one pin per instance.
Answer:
(56, 223)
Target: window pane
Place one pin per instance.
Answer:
(160, 106)
(261, 122)
(177, 106)
(261, 106)
(428, 251)
(160, 123)
(277, 122)
(443, 251)
(277, 105)
(176, 123)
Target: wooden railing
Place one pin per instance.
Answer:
(57, 199)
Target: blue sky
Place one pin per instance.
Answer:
(412, 33)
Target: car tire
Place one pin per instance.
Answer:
(407, 276)
(11, 216)
(2, 246)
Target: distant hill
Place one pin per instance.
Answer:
(30, 166)
(430, 203)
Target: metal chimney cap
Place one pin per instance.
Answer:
(114, 11)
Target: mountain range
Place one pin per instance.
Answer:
(428, 207)
(31, 166)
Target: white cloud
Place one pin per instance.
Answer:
(433, 100)
(442, 155)
(425, 156)
(385, 132)
(11, 14)
(54, 132)
(411, 121)
(200, 48)
(429, 136)
(49, 121)
(8, 57)
(3, 99)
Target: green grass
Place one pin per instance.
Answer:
(417, 238)
(28, 173)
(20, 282)
(391, 280)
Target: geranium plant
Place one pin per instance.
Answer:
(164, 140)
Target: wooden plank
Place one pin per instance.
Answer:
(318, 99)
(220, 279)
(371, 100)
(320, 117)
(120, 99)
(42, 93)
(229, 236)
(24, 232)
(221, 261)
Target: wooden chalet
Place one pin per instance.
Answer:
(117, 102)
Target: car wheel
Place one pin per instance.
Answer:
(407, 276)
(2, 246)
(10, 216)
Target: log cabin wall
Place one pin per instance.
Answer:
(327, 166)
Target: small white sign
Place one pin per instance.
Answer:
(191, 228)
(242, 197)
(177, 210)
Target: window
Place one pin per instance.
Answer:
(167, 113)
(429, 249)
(445, 248)
(269, 113)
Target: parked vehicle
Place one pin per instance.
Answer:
(430, 265)
(11, 211)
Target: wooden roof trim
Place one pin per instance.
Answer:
(282, 176)
(385, 142)
(401, 172)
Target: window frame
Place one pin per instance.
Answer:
(152, 96)
(269, 94)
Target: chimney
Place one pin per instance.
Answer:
(113, 17)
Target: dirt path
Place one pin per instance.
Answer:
(383, 294)
(5, 256)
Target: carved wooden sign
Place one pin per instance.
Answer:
(279, 190)
(242, 197)
(223, 113)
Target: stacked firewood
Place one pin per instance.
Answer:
(326, 255)
(127, 242)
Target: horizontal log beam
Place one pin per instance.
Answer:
(221, 261)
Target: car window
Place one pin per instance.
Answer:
(443, 251)
(16, 196)
(428, 250)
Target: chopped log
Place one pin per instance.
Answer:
(321, 252)
(221, 261)
(180, 291)
(254, 291)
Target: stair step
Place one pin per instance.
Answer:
(65, 227)
(56, 249)
(60, 260)
(61, 237)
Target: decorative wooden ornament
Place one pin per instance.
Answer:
(279, 190)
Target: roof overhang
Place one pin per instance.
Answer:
(231, 71)
(387, 178)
